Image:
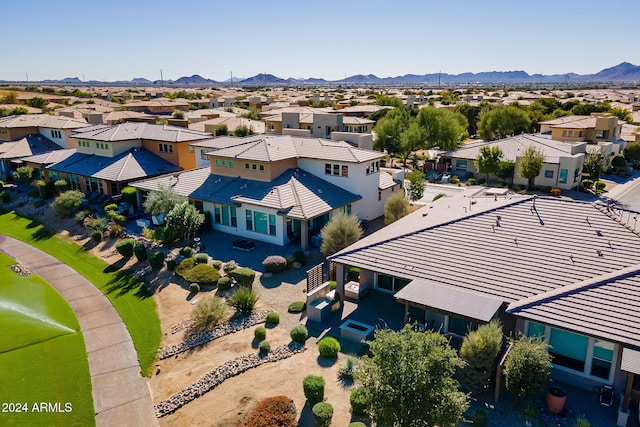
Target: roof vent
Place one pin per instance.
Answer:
(599, 233)
(587, 219)
(571, 258)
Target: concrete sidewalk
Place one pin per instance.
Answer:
(120, 395)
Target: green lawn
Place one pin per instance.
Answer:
(129, 296)
(42, 355)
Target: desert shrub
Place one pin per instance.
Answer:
(300, 257)
(34, 193)
(438, 196)
(201, 273)
(96, 235)
(260, 333)
(600, 185)
(216, 263)
(358, 400)
(348, 369)
(67, 203)
(46, 188)
(156, 260)
(125, 247)
(555, 191)
(479, 350)
(299, 334)
(353, 274)
(194, 288)
(184, 266)
(272, 411)
(264, 347)
(224, 283)
(115, 230)
(357, 424)
(171, 265)
(209, 312)
(129, 195)
(480, 418)
(587, 183)
(61, 186)
(229, 266)
(118, 219)
(243, 276)
(471, 181)
(313, 387)
(96, 224)
(274, 263)
(582, 422)
(322, 412)
(454, 180)
(111, 207)
(81, 215)
(201, 258)
(244, 300)
(140, 251)
(273, 318)
(527, 366)
(329, 347)
(297, 306)
(186, 251)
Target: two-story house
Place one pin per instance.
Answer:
(55, 128)
(279, 189)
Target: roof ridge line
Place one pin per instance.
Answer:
(127, 157)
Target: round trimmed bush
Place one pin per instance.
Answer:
(322, 412)
(299, 334)
(230, 266)
(216, 263)
(203, 274)
(264, 347)
(273, 318)
(600, 185)
(357, 424)
(125, 247)
(272, 411)
(313, 387)
(194, 288)
(140, 251)
(171, 265)
(297, 306)
(274, 263)
(186, 251)
(185, 265)
(471, 181)
(358, 400)
(243, 276)
(201, 258)
(329, 347)
(111, 207)
(156, 260)
(129, 195)
(260, 333)
(587, 183)
(224, 283)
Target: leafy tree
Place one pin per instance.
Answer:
(396, 207)
(488, 160)
(527, 366)
(67, 203)
(412, 139)
(506, 170)
(10, 98)
(243, 130)
(632, 151)
(222, 130)
(408, 379)
(479, 350)
(18, 111)
(502, 122)
(24, 175)
(415, 188)
(471, 113)
(162, 201)
(252, 114)
(184, 219)
(443, 128)
(37, 102)
(595, 165)
(342, 231)
(619, 162)
(622, 114)
(531, 164)
(389, 130)
(389, 101)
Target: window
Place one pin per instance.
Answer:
(224, 163)
(231, 164)
(346, 209)
(373, 168)
(249, 219)
(459, 326)
(246, 165)
(261, 168)
(336, 169)
(548, 173)
(254, 166)
(272, 224)
(568, 349)
(84, 144)
(217, 215)
(217, 162)
(602, 358)
(56, 134)
(203, 154)
(535, 330)
(345, 170)
(461, 165)
(260, 222)
(390, 283)
(234, 216)
(74, 181)
(165, 148)
(563, 176)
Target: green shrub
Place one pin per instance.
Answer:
(224, 283)
(46, 188)
(230, 266)
(111, 207)
(322, 412)
(274, 264)
(297, 306)
(118, 219)
(244, 300)
(358, 400)
(264, 347)
(357, 424)
(201, 258)
(299, 334)
(313, 387)
(454, 180)
(140, 251)
(438, 196)
(202, 273)
(587, 183)
(600, 185)
(329, 347)
(582, 422)
(348, 370)
(125, 247)
(61, 186)
(471, 181)
(273, 318)
(209, 312)
(353, 274)
(480, 418)
(34, 194)
(555, 191)
(184, 266)
(194, 288)
(260, 333)
(216, 263)
(243, 276)
(171, 265)
(156, 260)
(300, 257)
(186, 251)
(129, 195)
(96, 235)
(67, 203)
(332, 285)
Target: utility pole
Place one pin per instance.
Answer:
(27, 74)
(161, 78)
(231, 84)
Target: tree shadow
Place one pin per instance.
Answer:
(306, 416)
(116, 266)
(255, 343)
(41, 234)
(123, 283)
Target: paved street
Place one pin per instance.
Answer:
(627, 195)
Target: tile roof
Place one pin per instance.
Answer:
(132, 130)
(232, 123)
(27, 146)
(50, 157)
(515, 146)
(136, 163)
(42, 120)
(386, 181)
(529, 252)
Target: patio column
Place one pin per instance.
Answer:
(406, 312)
(304, 234)
(340, 281)
(627, 391)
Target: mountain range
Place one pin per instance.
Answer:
(624, 72)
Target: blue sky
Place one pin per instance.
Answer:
(119, 40)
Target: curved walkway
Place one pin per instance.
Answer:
(120, 395)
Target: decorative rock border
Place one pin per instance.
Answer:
(196, 340)
(185, 324)
(227, 370)
(21, 270)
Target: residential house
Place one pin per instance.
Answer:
(562, 161)
(54, 128)
(566, 271)
(157, 106)
(281, 189)
(230, 123)
(12, 152)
